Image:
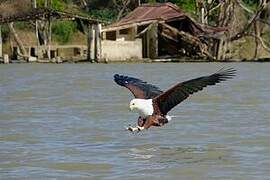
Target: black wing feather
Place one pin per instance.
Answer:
(139, 88)
(175, 95)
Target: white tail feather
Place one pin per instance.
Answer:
(170, 117)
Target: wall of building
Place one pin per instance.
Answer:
(121, 50)
(126, 34)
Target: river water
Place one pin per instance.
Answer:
(66, 121)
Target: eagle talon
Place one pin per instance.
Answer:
(140, 128)
(133, 129)
(130, 128)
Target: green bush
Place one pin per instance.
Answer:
(5, 32)
(105, 14)
(67, 1)
(22, 25)
(186, 5)
(63, 30)
(56, 4)
(250, 2)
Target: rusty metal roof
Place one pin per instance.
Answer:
(147, 12)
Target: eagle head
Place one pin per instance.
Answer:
(143, 106)
(134, 104)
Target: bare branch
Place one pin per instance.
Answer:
(212, 9)
(123, 8)
(252, 20)
(259, 38)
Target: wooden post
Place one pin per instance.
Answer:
(117, 34)
(103, 35)
(34, 5)
(49, 30)
(152, 41)
(6, 59)
(220, 49)
(156, 40)
(89, 42)
(147, 43)
(1, 43)
(257, 43)
(93, 43)
(203, 14)
(134, 31)
(50, 37)
(97, 42)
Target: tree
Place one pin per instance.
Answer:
(122, 6)
(226, 14)
(22, 51)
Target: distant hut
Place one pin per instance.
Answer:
(161, 30)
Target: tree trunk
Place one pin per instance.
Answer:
(225, 19)
(257, 43)
(49, 37)
(89, 42)
(97, 42)
(84, 3)
(34, 5)
(23, 52)
(1, 43)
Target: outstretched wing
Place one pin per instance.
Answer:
(140, 89)
(175, 95)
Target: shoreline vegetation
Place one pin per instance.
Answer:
(247, 24)
(134, 61)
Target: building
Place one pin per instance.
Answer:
(157, 31)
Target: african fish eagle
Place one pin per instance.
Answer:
(153, 104)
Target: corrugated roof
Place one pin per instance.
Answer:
(165, 12)
(147, 12)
